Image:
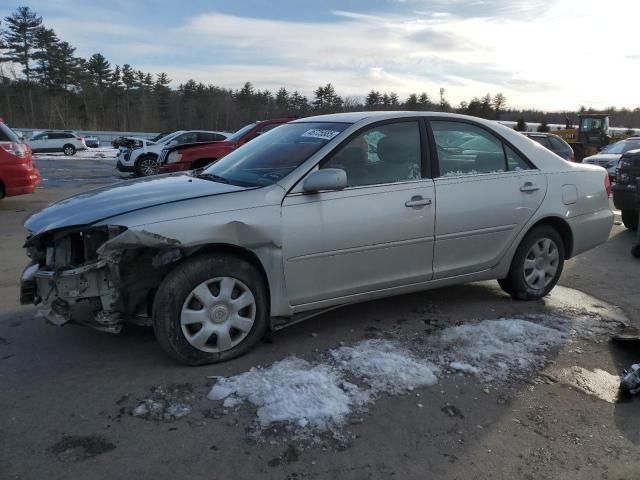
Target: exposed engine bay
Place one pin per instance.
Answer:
(101, 277)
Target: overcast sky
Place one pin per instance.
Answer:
(544, 54)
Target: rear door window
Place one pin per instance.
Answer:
(544, 141)
(466, 149)
(209, 137)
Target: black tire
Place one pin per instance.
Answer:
(143, 166)
(630, 219)
(178, 285)
(635, 251)
(69, 150)
(515, 283)
(1, 191)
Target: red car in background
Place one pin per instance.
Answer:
(196, 155)
(18, 174)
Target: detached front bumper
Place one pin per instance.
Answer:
(83, 295)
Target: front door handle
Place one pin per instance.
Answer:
(417, 201)
(529, 187)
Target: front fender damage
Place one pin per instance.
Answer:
(110, 286)
(116, 281)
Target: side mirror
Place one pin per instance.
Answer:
(172, 143)
(325, 179)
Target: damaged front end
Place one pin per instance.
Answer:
(97, 276)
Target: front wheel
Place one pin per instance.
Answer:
(630, 219)
(147, 166)
(209, 309)
(536, 265)
(69, 150)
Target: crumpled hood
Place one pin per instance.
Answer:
(95, 205)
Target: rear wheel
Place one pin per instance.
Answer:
(210, 308)
(536, 265)
(147, 166)
(630, 219)
(69, 150)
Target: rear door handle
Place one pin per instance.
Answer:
(529, 187)
(417, 201)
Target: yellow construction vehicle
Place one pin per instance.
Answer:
(591, 134)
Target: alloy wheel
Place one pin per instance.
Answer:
(148, 166)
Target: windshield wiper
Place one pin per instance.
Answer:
(214, 177)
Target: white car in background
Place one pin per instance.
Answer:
(52, 141)
(140, 155)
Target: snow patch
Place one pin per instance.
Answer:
(496, 348)
(463, 367)
(321, 395)
(385, 366)
(292, 390)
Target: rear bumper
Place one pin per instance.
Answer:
(590, 230)
(625, 197)
(20, 180)
(175, 167)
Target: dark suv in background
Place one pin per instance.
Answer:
(554, 143)
(626, 189)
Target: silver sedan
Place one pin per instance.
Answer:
(317, 213)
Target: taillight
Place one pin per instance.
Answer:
(607, 185)
(80, 138)
(13, 148)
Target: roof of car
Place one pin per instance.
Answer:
(539, 134)
(354, 117)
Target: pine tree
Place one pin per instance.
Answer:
(499, 104)
(99, 69)
(19, 38)
(424, 102)
(46, 45)
(372, 100)
(282, 100)
(521, 126)
(412, 102)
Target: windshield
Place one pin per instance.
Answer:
(622, 146)
(594, 125)
(238, 135)
(168, 138)
(275, 154)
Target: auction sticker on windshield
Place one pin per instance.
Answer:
(320, 133)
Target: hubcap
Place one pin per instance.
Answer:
(218, 314)
(541, 263)
(148, 167)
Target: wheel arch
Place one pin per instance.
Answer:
(235, 250)
(563, 228)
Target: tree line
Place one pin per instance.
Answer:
(46, 85)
